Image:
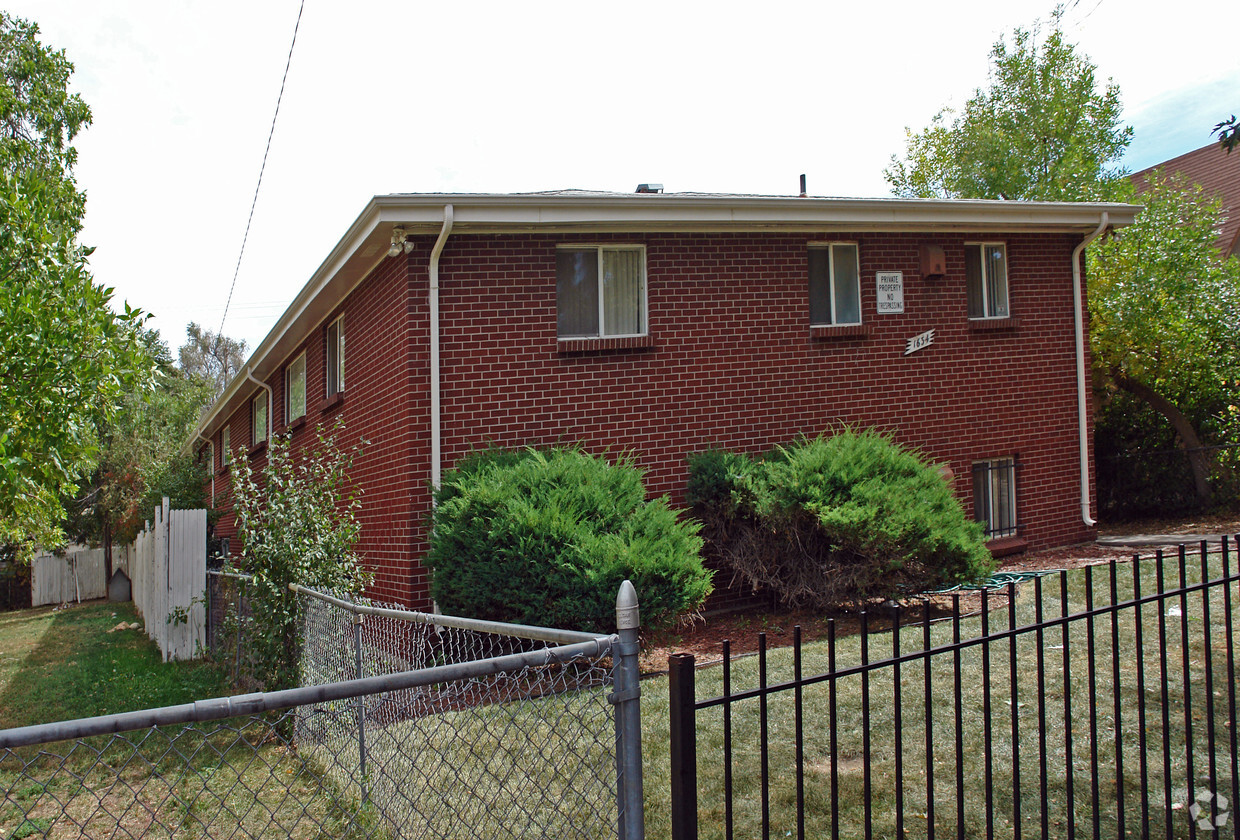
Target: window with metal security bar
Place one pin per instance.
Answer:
(994, 497)
(834, 284)
(986, 279)
(600, 292)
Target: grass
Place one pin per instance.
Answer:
(235, 777)
(851, 762)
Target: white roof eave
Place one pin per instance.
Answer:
(365, 243)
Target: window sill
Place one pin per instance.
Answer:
(331, 402)
(1004, 546)
(832, 332)
(295, 424)
(592, 345)
(258, 448)
(993, 324)
(222, 471)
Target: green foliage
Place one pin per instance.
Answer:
(210, 358)
(1163, 312)
(1042, 130)
(297, 521)
(65, 357)
(141, 458)
(1228, 132)
(847, 518)
(547, 536)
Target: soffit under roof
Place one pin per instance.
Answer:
(366, 242)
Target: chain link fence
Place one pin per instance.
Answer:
(408, 725)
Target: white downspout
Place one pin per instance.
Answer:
(271, 408)
(436, 453)
(1081, 402)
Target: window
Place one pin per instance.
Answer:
(225, 446)
(335, 356)
(600, 291)
(834, 284)
(295, 389)
(258, 410)
(986, 280)
(994, 496)
(210, 455)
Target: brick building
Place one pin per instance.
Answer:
(668, 324)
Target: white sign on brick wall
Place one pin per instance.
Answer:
(890, 292)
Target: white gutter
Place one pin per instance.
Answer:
(436, 420)
(1081, 412)
(270, 403)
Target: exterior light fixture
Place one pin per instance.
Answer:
(399, 242)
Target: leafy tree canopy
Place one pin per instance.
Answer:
(211, 357)
(1042, 130)
(1228, 132)
(1164, 305)
(66, 358)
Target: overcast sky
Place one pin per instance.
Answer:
(389, 97)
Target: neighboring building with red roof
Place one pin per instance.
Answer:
(1218, 173)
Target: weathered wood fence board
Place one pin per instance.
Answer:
(78, 575)
(167, 568)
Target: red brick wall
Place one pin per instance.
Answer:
(730, 363)
(378, 409)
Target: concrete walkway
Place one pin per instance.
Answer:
(1144, 540)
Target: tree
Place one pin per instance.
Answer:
(1042, 130)
(141, 458)
(1228, 134)
(210, 357)
(65, 357)
(297, 521)
(1163, 312)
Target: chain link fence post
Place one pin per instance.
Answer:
(361, 709)
(627, 700)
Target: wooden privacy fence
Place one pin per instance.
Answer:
(168, 574)
(75, 575)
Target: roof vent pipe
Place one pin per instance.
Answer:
(802, 185)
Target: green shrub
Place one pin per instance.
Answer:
(841, 519)
(547, 536)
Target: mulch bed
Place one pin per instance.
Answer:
(703, 635)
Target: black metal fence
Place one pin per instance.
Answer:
(1094, 703)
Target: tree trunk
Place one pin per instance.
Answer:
(1189, 441)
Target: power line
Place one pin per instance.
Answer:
(236, 271)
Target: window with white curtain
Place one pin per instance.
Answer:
(834, 284)
(600, 291)
(986, 279)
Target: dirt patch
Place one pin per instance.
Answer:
(704, 636)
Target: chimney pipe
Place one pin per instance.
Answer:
(802, 185)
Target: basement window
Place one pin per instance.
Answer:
(994, 497)
(600, 291)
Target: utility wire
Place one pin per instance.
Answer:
(254, 203)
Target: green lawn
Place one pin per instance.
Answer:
(232, 778)
(851, 764)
